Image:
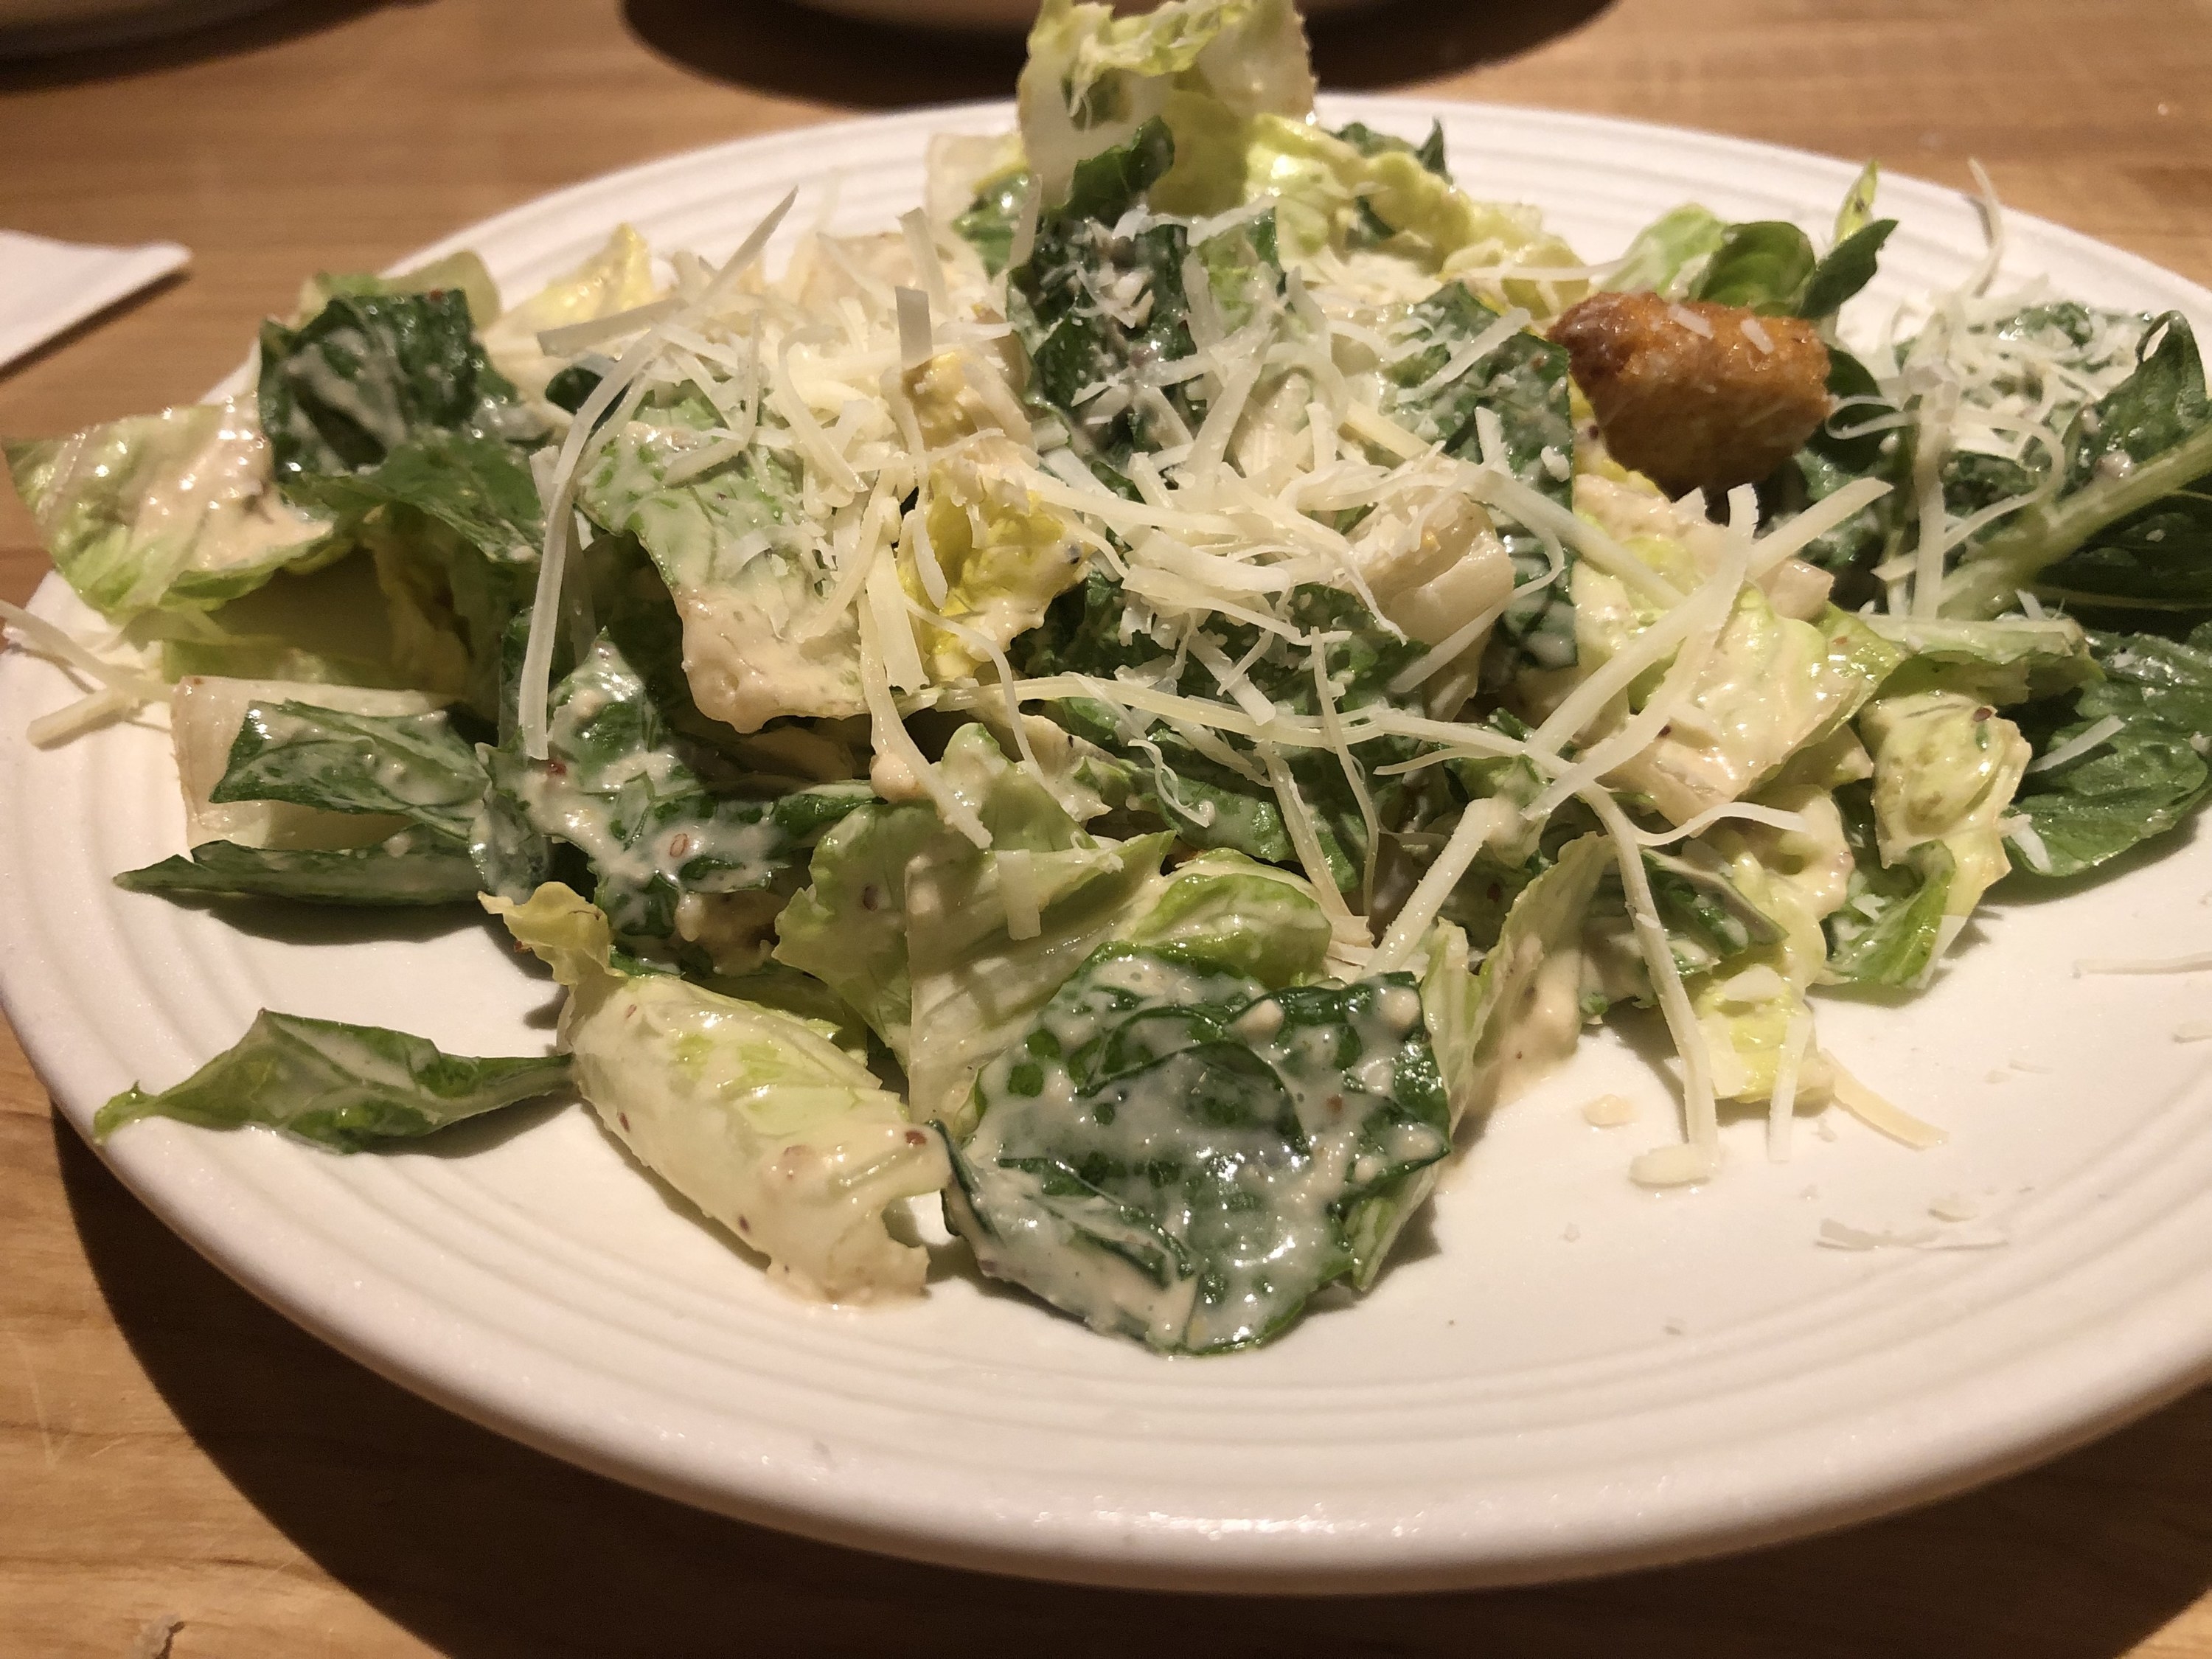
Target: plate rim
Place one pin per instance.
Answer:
(151, 1168)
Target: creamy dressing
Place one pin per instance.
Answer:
(184, 500)
(1177, 1154)
(616, 785)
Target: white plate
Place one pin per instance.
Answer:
(1562, 1375)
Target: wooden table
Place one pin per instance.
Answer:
(169, 1445)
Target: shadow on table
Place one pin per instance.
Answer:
(485, 1550)
(778, 47)
(248, 32)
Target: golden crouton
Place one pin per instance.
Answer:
(1695, 395)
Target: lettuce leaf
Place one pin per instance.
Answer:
(1528, 992)
(1228, 910)
(343, 1087)
(1668, 255)
(174, 511)
(912, 925)
(693, 859)
(618, 276)
(1075, 344)
(744, 575)
(2011, 660)
(412, 867)
(1524, 384)
(478, 488)
(1891, 923)
(464, 272)
(1211, 802)
(1201, 67)
(1926, 834)
(369, 371)
(2147, 776)
(2128, 522)
(754, 1114)
(339, 794)
(1173, 1151)
(1766, 266)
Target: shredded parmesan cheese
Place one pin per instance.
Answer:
(2199, 964)
(1878, 1114)
(2094, 737)
(1782, 1105)
(1018, 889)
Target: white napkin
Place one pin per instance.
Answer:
(45, 286)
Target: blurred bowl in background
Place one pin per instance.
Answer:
(44, 28)
(986, 15)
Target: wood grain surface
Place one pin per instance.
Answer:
(168, 1446)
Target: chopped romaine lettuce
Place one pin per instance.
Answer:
(754, 1114)
(2124, 526)
(1173, 1151)
(1928, 835)
(370, 372)
(412, 867)
(1522, 383)
(178, 510)
(746, 578)
(464, 272)
(1202, 67)
(2124, 759)
(689, 869)
(345, 1087)
(618, 278)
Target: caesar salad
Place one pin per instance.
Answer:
(1141, 704)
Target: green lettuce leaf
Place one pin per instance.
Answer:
(1212, 802)
(1075, 344)
(464, 272)
(478, 488)
(1926, 835)
(376, 780)
(1528, 992)
(1668, 255)
(618, 277)
(345, 1087)
(1174, 1152)
(2130, 521)
(848, 926)
(2009, 660)
(369, 371)
(729, 546)
(1236, 914)
(1691, 253)
(2144, 778)
(175, 511)
(1843, 270)
(910, 922)
(1524, 384)
(1763, 264)
(987, 225)
(413, 766)
(411, 868)
(694, 859)
(1890, 925)
(974, 981)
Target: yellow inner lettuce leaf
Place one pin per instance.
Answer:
(1946, 768)
(618, 278)
(1003, 555)
(1796, 876)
